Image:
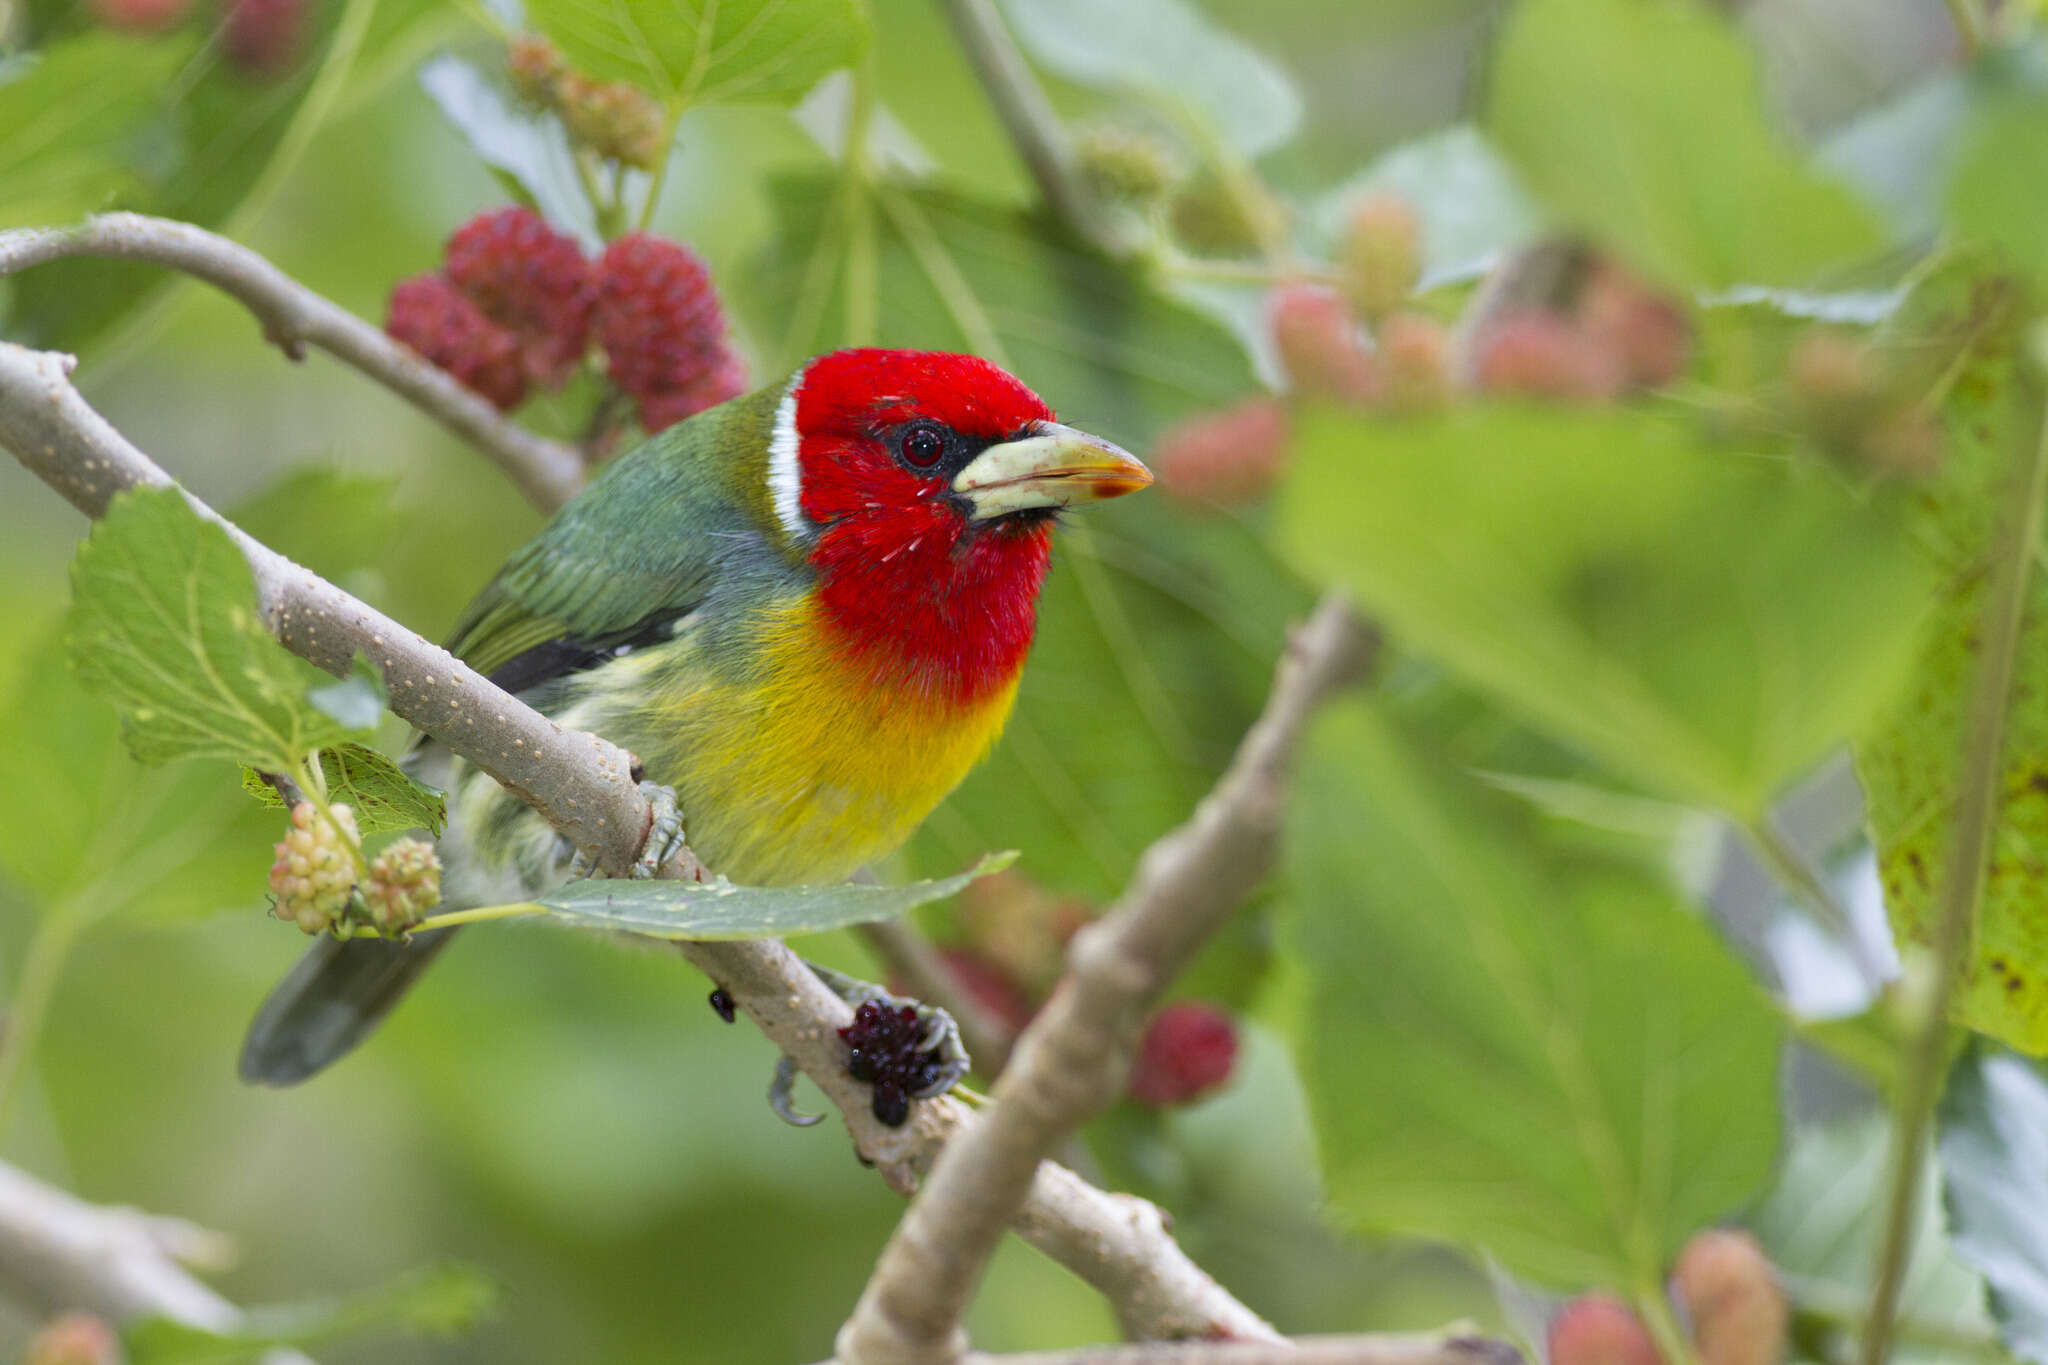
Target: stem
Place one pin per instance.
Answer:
(1806, 886)
(1969, 26)
(1962, 879)
(1027, 115)
(1672, 1343)
(660, 172)
(312, 781)
(478, 914)
(41, 968)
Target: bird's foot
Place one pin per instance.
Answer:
(664, 840)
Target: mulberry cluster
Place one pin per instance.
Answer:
(1591, 331)
(1733, 1304)
(663, 331)
(404, 883)
(315, 870)
(617, 121)
(515, 305)
(1187, 1051)
(884, 1051)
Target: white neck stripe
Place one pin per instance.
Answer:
(785, 477)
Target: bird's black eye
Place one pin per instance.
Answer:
(924, 445)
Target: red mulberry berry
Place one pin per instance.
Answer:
(528, 278)
(404, 883)
(434, 318)
(1187, 1051)
(659, 321)
(1225, 458)
(1599, 1329)
(1544, 355)
(1318, 348)
(264, 37)
(1645, 328)
(315, 868)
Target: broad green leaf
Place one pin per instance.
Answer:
(1994, 1160)
(727, 52)
(1158, 628)
(1467, 197)
(1709, 622)
(1645, 125)
(163, 624)
(1822, 1224)
(441, 1302)
(383, 796)
(524, 147)
(2000, 194)
(1516, 1046)
(1910, 761)
(721, 910)
(72, 120)
(1169, 52)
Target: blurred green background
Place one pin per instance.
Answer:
(565, 1113)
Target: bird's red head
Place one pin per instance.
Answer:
(922, 487)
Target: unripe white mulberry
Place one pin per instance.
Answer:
(315, 868)
(404, 883)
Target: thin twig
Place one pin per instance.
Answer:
(582, 786)
(1962, 880)
(293, 316)
(1969, 26)
(1071, 1061)
(1387, 1349)
(1020, 102)
(61, 1254)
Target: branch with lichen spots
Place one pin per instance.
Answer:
(583, 786)
(1072, 1060)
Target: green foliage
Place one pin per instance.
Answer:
(718, 910)
(71, 122)
(331, 520)
(1708, 623)
(163, 624)
(381, 793)
(1171, 55)
(1994, 1157)
(1645, 125)
(736, 52)
(443, 1301)
(2000, 193)
(1549, 1057)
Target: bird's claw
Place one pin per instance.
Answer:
(664, 838)
(782, 1094)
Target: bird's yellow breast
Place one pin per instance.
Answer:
(811, 767)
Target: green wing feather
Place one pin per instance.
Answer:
(644, 542)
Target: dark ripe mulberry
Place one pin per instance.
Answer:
(722, 1004)
(433, 317)
(662, 329)
(531, 280)
(882, 1051)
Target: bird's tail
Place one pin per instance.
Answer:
(337, 994)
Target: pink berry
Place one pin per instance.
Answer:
(1599, 1329)
(1318, 348)
(1415, 364)
(1225, 458)
(141, 16)
(1543, 355)
(264, 37)
(433, 317)
(531, 280)
(1739, 1312)
(1187, 1051)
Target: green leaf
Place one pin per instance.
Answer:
(1994, 1160)
(1516, 1046)
(72, 119)
(721, 910)
(333, 521)
(1824, 1219)
(163, 624)
(2000, 194)
(1170, 53)
(1709, 623)
(356, 702)
(383, 795)
(440, 1302)
(731, 52)
(1910, 760)
(1644, 124)
(524, 146)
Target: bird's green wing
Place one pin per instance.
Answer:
(619, 565)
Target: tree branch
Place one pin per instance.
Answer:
(292, 316)
(1040, 138)
(1071, 1061)
(1389, 1349)
(582, 785)
(59, 1253)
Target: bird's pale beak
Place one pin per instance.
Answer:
(1055, 466)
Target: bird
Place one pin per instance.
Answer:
(806, 610)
